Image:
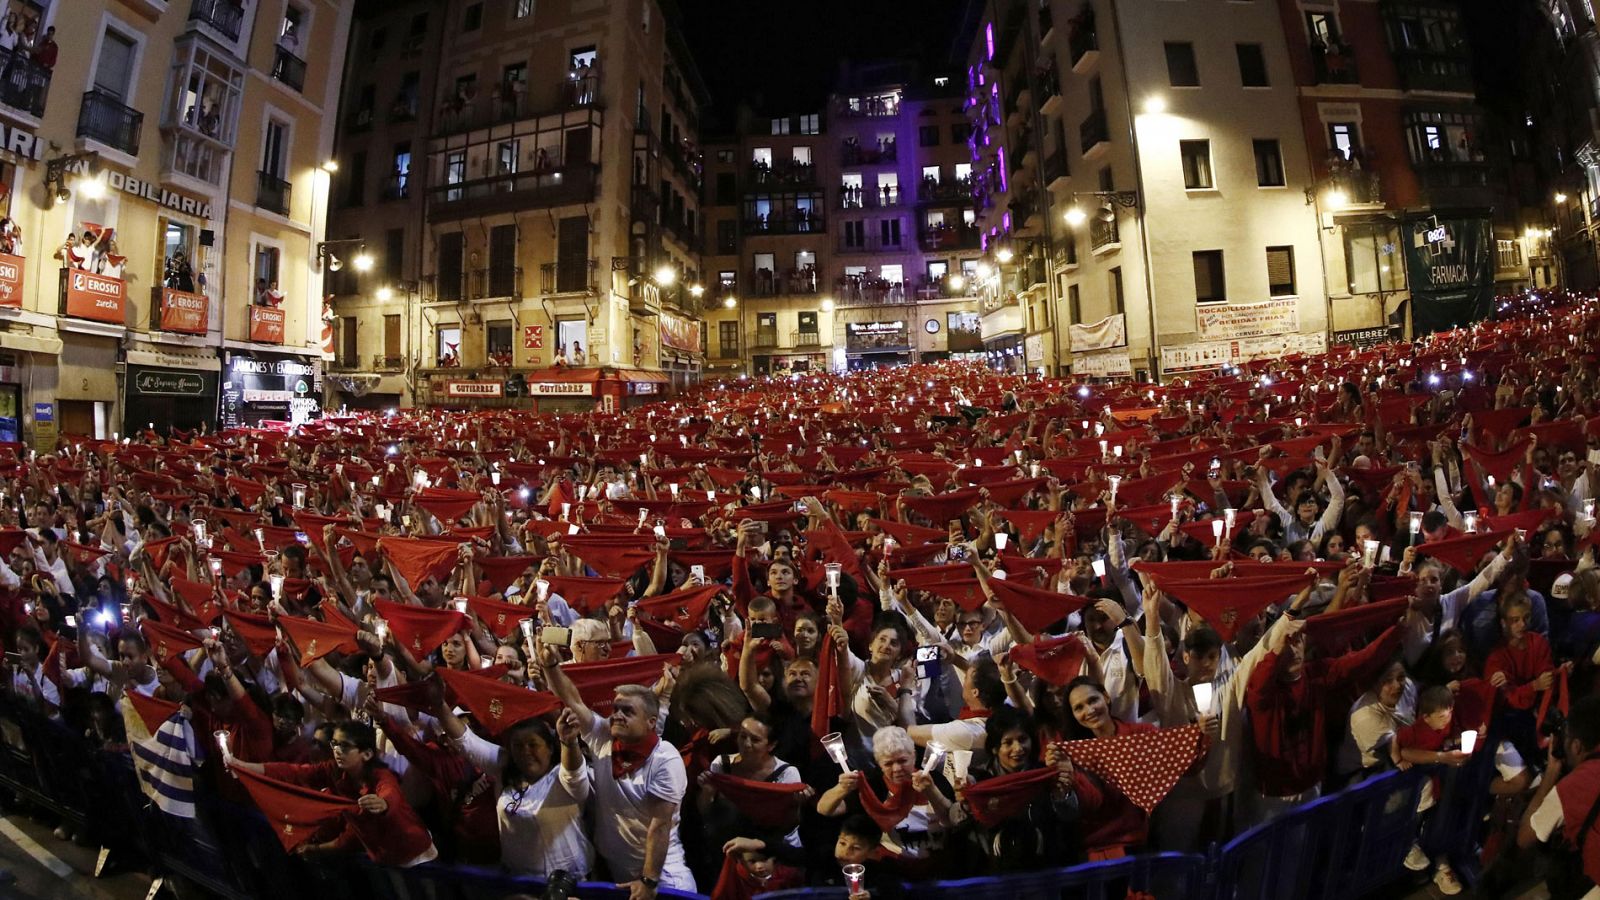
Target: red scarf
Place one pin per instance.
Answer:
(888, 814)
(628, 756)
(997, 799)
(827, 698)
(736, 883)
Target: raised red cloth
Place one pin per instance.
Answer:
(1030, 523)
(1227, 603)
(1497, 423)
(418, 628)
(766, 803)
(598, 681)
(446, 505)
(891, 812)
(684, 608)
(609, 559)
(1035, 608)
(941, 508)
(257, 632)
(1463, 552)
(234, 563)
(417, 695)
(911, 535)
(1056, 660)
(295, 813)
(628, 756)
(317, 639)
(586, 595)
(993, 801)
(153, 711)
(1333, 632)
(1144, 766)
(1528, 520)
(158, 551)
(1501, 465)
(735, 882)
(416, 560)
(165, 640)
(502, 571)
(495, 704)
(502, 619)
(828, 698)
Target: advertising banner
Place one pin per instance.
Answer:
(1362, 338)
(1102, 365)
(1110, 332)
(258, 388)
(1232, 321)
(1215, 354)
(266, 324)
(560, 389)
(97, 297)
(11, 280)
(1450, 267)
(183, 312)
(679, 334)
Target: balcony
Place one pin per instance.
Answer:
(871, 107)
(1083, 45)
(1093, 134)
(396, 187)
(388, 362)
(1359, 187)
(853, 154)
(289, 69)
(1055, 170)
(223, 16)
(495, 281)
(860, 290)
(24, 83)
(580, 92)
(805, 339)
(765, 339)
(1426, 71)
(944, 288)
(572, 277)
(1334, 64)
(766, 283)
(1048, 82)
(272, 193)
(404, 107)
(949, 190)
(936, 238)
(1103, 235)
(784, 174)
(794, 221)
(726, 350)
(873, 241)
(857, 197)
(513, 191)
(103, 118)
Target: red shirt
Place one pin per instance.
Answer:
(1521, 667)
(393, 837)
(1288, 720)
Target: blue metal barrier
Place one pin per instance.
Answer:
(1159, 874)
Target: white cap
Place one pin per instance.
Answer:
(1560, 588)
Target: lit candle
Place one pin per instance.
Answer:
(1369, 553)
(1000, 540)
(461, 605)
(855, 876)
(1216, 529)
(833, 742)
(934, 757)
(277, 586)
(1202, 696)
(216, 567)
(1416, 524)
(1469, 741)
(1470, 520)
(541, 589)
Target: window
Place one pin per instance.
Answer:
(1372, 259)
(959, 132)
(506, 158)
(808, 124)
(401, 173)
(889, 232)
(1074, 305)
(1196, 164)
(802, 155)
(585, 58)
(1269, 163)
(807, 321)
(1252, 65)
(761, 157)
(1181, 68)
(1117, 304)
(780, 126)
(728, 338)
(448, 343)
(113, 74)
(1208, 282)
(1320, 28)
(855, 234)
(497, 338)
(928, 136)
(455, 172)
(274, 148)
(572, 254)
(727, 236)
(391, 336)
(522, 9)
(727, 189)
(1280, 272)
(347, 341)
(570, 335)
(394, 249)
(355, 179)
(266, 267)
(1344, 138)
(472, 17)
(452, 252)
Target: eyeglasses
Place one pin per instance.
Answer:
(346, 746)
(972, 623)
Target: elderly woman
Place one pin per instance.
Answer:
(905, 801)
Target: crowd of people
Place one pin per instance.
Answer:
(856, 630)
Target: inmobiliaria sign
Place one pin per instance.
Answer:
(10, 280)
(184, 312)
(97, 297)
(266, 324)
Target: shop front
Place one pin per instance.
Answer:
(92, 324)
(260, 387)
(563, 389)
(165, 391)
(465, 392)
(877, 345)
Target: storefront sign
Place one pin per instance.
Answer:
(169, 383)
(255, 390)
(680, 334)
(1450, 267)
(1112, 331)
(11, 280)
(21, 144)
(867, 337)
(153, 192)
(1102, 365)
(1232, 321)
(560, 389)
(183, 312)
(44, 427)
(97, 297)
(1362, 338)
(266, 324)
(1213, 355)
(474, 389)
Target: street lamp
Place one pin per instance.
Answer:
(385, 294)
(1155, 105)
(729, 302)
(666, 276)
(1076, 215)
(1560, 197)
(362, 260)
(1003, 254)
(82, 165)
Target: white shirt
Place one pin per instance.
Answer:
(621, 826)
(541, 826)
(24, 686)
(1372, 728)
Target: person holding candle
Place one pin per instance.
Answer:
(906, 802)
(1434, 739)
(1437, 610)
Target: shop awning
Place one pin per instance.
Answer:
(564, 375)
(28, 343)
(642, 376)
(175, 359)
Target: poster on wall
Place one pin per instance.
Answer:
(1102, 365)
(1232, 321)
(1106, 334)
(1451, 272)
(11, 280)
(1215, 354)
(256, 389)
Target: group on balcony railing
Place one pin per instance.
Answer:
(582, 87)
(949, 236)
(933, 188)
(784, 172)
(287, 64)
(801, 280)
(26, 60)
(869, 289)
(856, 155)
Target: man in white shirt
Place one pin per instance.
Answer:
(1569, 793)
(639, 784)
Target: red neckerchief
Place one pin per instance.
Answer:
(628, 756)
(968, 712)
(887, 813)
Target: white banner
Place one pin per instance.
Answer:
(560, 389)
(1112, 331)
(1033, 349)
(1232, 321)
(474, 389)
(1103, 365)
(1215, 354)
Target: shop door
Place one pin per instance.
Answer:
(77, 417)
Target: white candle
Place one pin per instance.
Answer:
(1216, 529)
(1369, 553)
(833, 742)
(1001, 539)
(1469, 741)
(1202, 696)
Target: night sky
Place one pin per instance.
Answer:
(782, 57)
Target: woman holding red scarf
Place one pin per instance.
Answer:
(1112, 826)
(1032, 833)
(907, 803)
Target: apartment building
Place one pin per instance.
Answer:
(839, 237)
(541, 207)
(1141, 179)
(163, 204)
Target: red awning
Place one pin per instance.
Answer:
(642, 376)
(564, 375)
